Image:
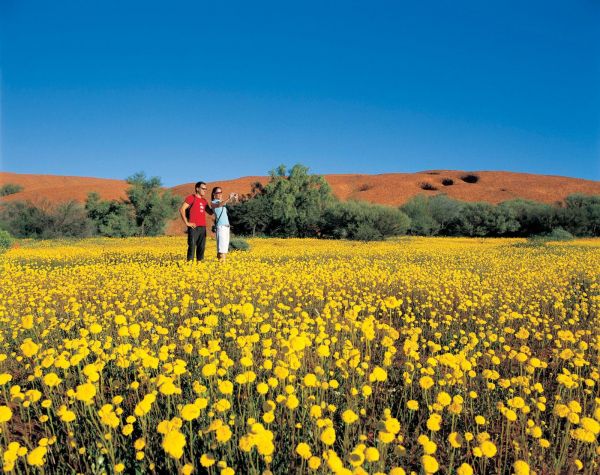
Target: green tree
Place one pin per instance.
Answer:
(449, 214)
(581, 215)
(252, 214)
(532, 217)
(296, 200)
(22, 219)
(69, 219)
(291, 204)
(152, 206)
(110, 218)
(422, 222)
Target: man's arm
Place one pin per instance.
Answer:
(185, 206)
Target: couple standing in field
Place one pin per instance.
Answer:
(193, 213)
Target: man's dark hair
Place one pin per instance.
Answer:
(199, 184)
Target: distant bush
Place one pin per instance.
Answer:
(362, 221)
(45, 220)
(110, 218)
(470, 178)
(448, 213)
(558, 234)
(533, 218)
(152, 207)
(144, 213)
(427, 186)
(10, 189)
(445, 216)
(484, 219)
(422, 222)
(6, 240)
(238, 244)
(580, 215)
(365, 232)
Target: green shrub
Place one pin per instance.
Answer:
(422, 222)
(362, 221)
(10, 189)
(558, 234)
(6, 240)
(366, 232)
(239, 244)
(45, 220)
(580, 215)
(532, 218)
(110, 218)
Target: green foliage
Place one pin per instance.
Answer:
(44, 220)
(484, 219)
(421, 219)
(581, 215)
(532, 217)
(448, 213)
(557, 234)
(291, 204)
(110, 218)
(238, 244)
(23, 219)
(362, 221)
(10, 189)
(152, 207)
(297, 201)
(6, 240)
(442, 215)
(70, 220)
(365, 232)
(252, 215)
(144, 213)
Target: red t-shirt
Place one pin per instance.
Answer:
(197, 210)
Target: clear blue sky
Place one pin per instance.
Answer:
(218, 90)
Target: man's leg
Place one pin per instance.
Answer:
(201, 243)
(192, 242)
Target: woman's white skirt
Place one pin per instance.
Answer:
(222, 239)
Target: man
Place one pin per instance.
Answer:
(195, 220)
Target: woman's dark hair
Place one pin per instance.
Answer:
(212, 193)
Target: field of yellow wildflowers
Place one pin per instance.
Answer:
(418, 355)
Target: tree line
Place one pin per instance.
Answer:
(144, 212)
(439, 215)
(295, 203)
(298, 204)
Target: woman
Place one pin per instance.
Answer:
(221, 226)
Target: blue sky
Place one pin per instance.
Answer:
(217, 90)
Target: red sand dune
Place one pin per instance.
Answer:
(390, 188)
(57, 189)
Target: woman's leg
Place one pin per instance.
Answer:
(222, 241)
